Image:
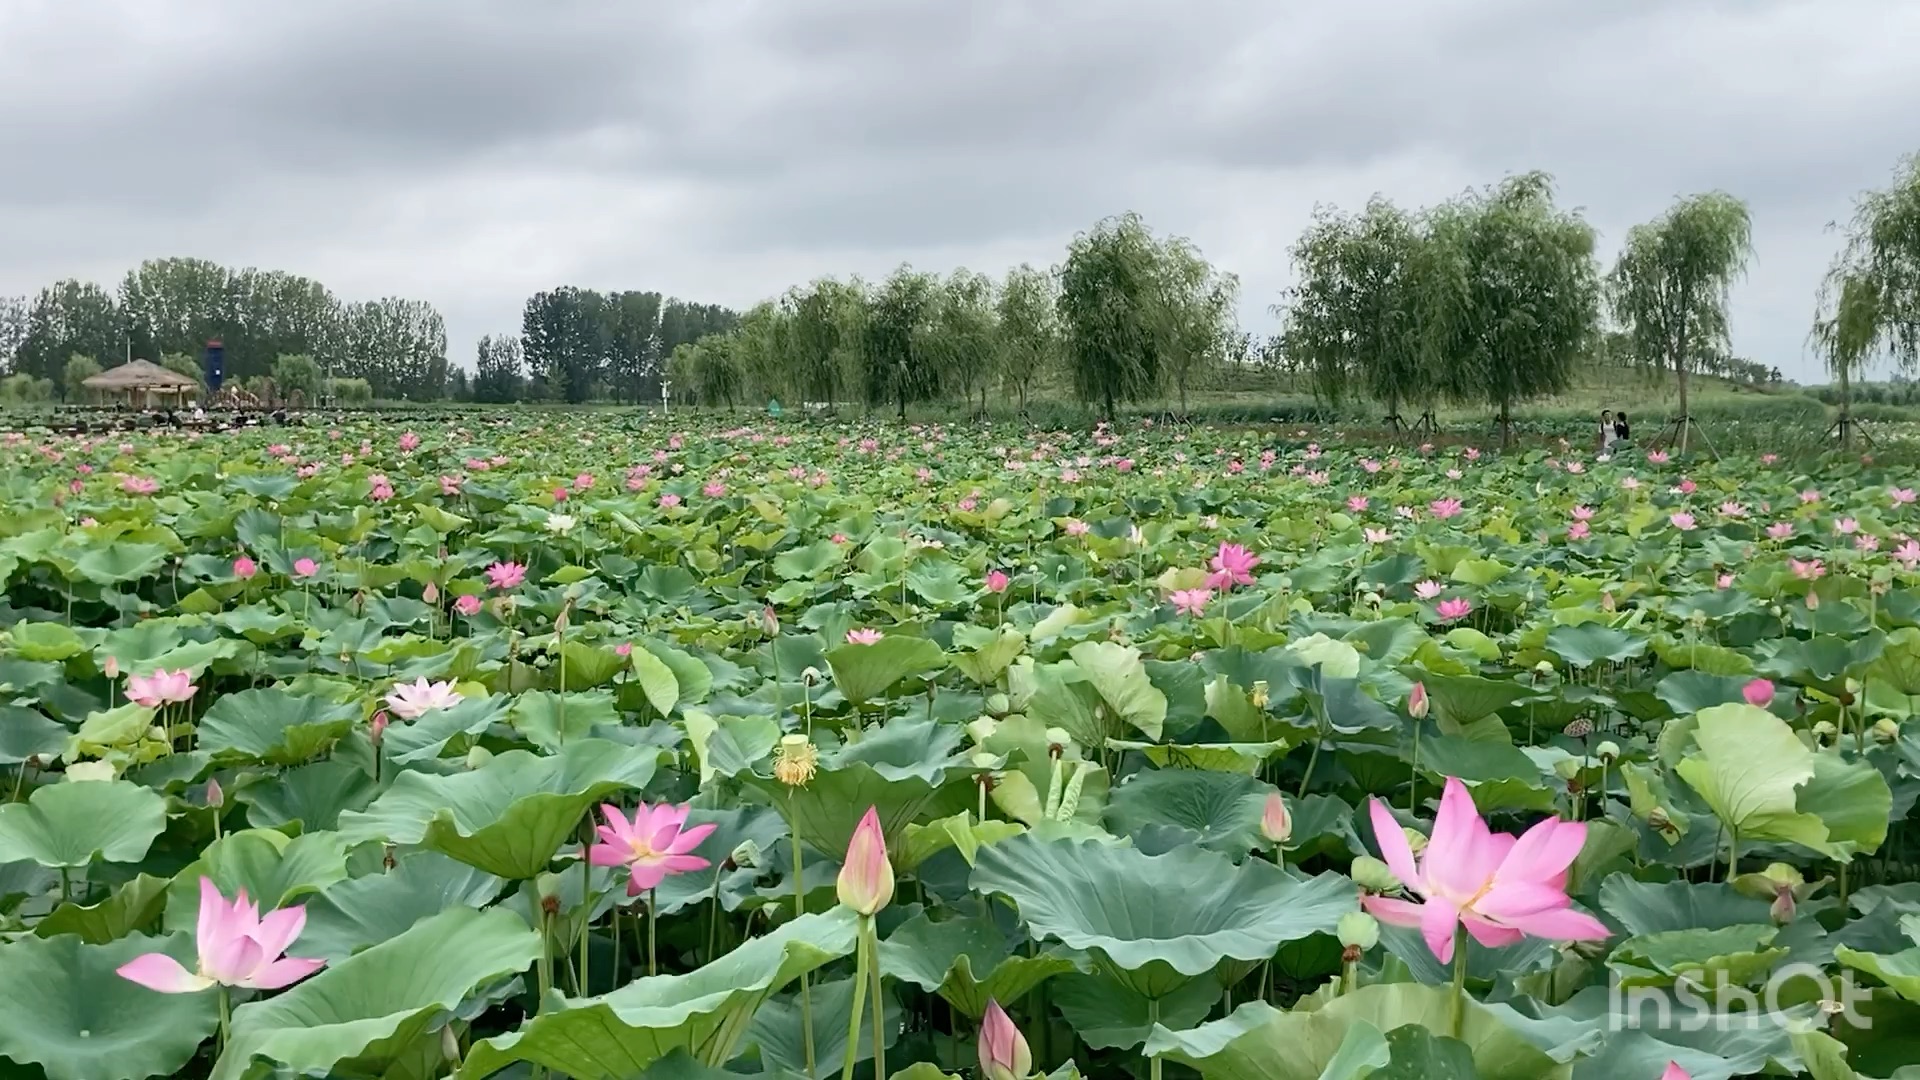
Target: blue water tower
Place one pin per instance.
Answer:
(216, 365)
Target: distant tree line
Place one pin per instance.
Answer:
(581, 345)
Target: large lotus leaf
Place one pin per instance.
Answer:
(1500, 775)
(311, 796)
(729, 745)
(1120, 678)
(120, 730)
(704, 1012)
(1589, 643)
(1750, 767)
(507, 817)
(65, 1008)
(1730, 955)
(1259, 1042)
(778, 1030)
(1609, 1035)
(657, 681)
(1111, 1015)
(112, 563)
(1688, 692)
(45, 640)
(1220, 810)
(27, 733)
(356, 1016)
(1852, 803)
(967, 961)
(864, 672)
(273, 726)
(588, 665)
(550, 721)
(959, 832)
(985, 663)
(70, 824)
(275, 871)
(424, 739)
(132, 906)
(900, 769)
(1158, 920)
(1462, 699)
(350, 915)
(1647, 907)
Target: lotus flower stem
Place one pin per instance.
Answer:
(653, 957)
(799, 909)
(1413, 780)
(1153, 1018)
(226, 1020)
(859, 1001)
(1733, 855)
(879, 1003)
(713, 912)
(586, 904)
(615, 918)
(1459, 1006)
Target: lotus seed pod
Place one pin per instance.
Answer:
(1885, 730)
(1608, 751)
(745, 855)
(999, 704)
(1058, 736)
(1373, 875)
(478, 756)
(1358, 929)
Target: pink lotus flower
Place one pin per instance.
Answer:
(409, 442)
(1686, 486)
(1901, 496)
(1579, 530)
(654, 846)
(1768, 459)
(1724, 581)
(163, 687)
(1908, 553)
(583, 482)
(1675, 1072)
(1357, 503)
(1276, 823)
(1846, 526)
(506, 575)
(1810, 496)
(1191, 601)
(1657, 457)
(1456, 608)
(559, 494)
(1780, 530)
(996, 581)
(1076, 527)
(623, 649)
(866, 877)
(244, 568)
(468, 605)
(1866, 542)
(1003, 1050)
(1732, 510)
(1810, 570)
(237, 948)
(1630, 483)
(305, 568)
(1232, 565)
(1444, 508)
(1681, 520)
(1377, 536)
(450, 485)
(139, 485)
(714, 489)
(1454, 474)
(1428, 589)
(411, 701)
(864, 636)
(1502, 888)
(669, 500)
(1583, 513)
(1759, 693)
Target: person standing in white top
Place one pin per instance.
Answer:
(1606, 430)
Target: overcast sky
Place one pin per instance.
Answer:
(469, 152)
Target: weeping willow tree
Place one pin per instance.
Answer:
(1870, 300)
(1669, 289)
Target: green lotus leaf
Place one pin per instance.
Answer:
(1220, 810)
(45, 640)
(274, 870)
(694, 678)
(729, 745)
(353, 914)
(1587, 644)
(812, 561)
(959, 832)
(1259, 1042)
(589, 665)
(704, 1012)
(967, 961)
(864, 672)
(657, 681)
(901, 769)
(1750, 769)
(1111, 1015)
(507, 817)
(1117, 674)
(778, 1032)
(1688, 692)
(127, 728)
(1500, 775)
(357, 1016)
(550, 721)
(1739, 955)
(71, 824)
(1100, 897)
(424, 739)
(1243, 758)
(1462, 699)
(272, 726)
(27, 733)
(114, 563)
(987, 661)
(136, 904)
(65, 1008)
(311, 796)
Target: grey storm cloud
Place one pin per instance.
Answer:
(468, 152)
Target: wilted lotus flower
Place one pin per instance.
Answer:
(866, 878)
(1003, 1050)
(237, 948)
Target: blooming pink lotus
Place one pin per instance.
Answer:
(237, 948)
(1458, 607)
(305, 568)
(1908, 553)
(864, 636)
(655, 845)
(1191, 601)
(468, 605)
(1901, 496)
(1681, 520)
(866, 877)
(1758, 693)
(1377, 536)
(1357, 503)
(1583, 513)
(1232, 565)
(409, 442)
(506, 575)
(410, 701)
(244, 568)
(1780, 530)
(1502, 888)
(1846, 526)
(1808, 570)
(139, 485)
(1444, 508)
(996, 581)
(1076, 527)
(1428, 589)
(1579, 530)
(163, 687)
(1810, 496)
(669, 500)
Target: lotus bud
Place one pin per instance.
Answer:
(1658, 819)
(1417, 704)
(1259, 695)
(1824, 731)
(431, 594)
(1813, 601)
(113, 667)
(1357, 929)
(1276, 824)
(1608, 751)
(1058, 740)
(1885, 730)
(449, 1044)
(866, 878)
(215, 797)
(1373, 875)
(810, 677)
(769, 621)
(1607, 603)
(999, 704)
(478, 756)
(377, 727)
(1758, 693)
(746, 855)
(1003, 1050)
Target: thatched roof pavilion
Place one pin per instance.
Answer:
(143, 381)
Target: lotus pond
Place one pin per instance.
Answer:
(582, 745)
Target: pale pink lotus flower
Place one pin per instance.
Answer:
(1473, 453)
(1901, 496)
(1681, 520)
(654, 846)
(411, 701)
(1357, 503)
(1686, 486)
(409, 442)
(996, 581)
(1732, 510)
(112, 667)
(1867, 542)
(1370, 465)
(468, 605)
(1428, 589)
(1454, 474)
(864, 636)
(1378, 536)
(1657, 457)
(1003, 1050)
(1190, 601)
(1503, 888)
(1579, 530)
(1780, 530)
(244, 568)
(714, 489)
(139, 485)
(1076, 527)
(1418, 703)
(583, 482)
(1582, 513)
(1232, 565)
(866, 877)
(1444, 508)
(1758, 693)
(669, 500)
(305, 568)
(1576, 468)
(1908, 553)
(1456, 608)
(506, 575)
(163, 687)
(1808, 570)
(236, 946)
(1675, 1072)
(1724, 581)
(1630, 483)
(1845, 526)
(449, 485)
(1276, 823)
